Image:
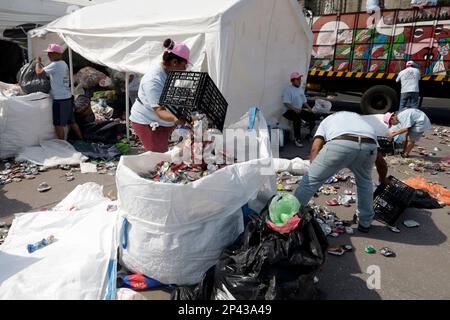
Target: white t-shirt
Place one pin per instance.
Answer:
(150, 90)
(414, 119)
(345, 122)
(58, 71)
(295, 96)
(377, 123)
(410, 78)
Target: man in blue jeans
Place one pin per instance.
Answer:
(409, 79)
(343, 140)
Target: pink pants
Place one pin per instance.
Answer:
(155, 141)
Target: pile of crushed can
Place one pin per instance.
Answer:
(182, 173)
(16, 172)
(197, 167)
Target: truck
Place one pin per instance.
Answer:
(361, 54)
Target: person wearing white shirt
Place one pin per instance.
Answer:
(63, 106)
(147, 111)
(409, 79)
(413, 122)
(373, 6)
(343, 140)
(297, 107)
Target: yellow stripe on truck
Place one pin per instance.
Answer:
(359, 74)
(426, 78)
(391, 76)
(440, 78)
(369, 75)
(321, 73)
(380, 76)
(348, 74)
(339, 74)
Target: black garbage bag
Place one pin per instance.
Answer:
(263, 264)
(107, 152)
(30, 82)
(202, 291)
(423, 200)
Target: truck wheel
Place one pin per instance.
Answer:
(379, 99)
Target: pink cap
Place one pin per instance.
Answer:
(181, 50)
(387, 118)
(55, 48)
(295, 75)
(410, 63)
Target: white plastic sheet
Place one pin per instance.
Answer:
(295, 166)
(52, 153)
(24, 121)
(79, 265)
(176, 232)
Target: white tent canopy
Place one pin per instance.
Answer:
(17, 12)
(249, 47)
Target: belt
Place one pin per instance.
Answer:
(356, 139)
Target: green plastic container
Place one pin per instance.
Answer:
(283, 207)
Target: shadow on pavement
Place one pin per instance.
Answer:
(427, 234)
(10, 206)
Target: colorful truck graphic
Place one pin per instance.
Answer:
(358, 52)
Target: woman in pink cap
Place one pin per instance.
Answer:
(63, 106)
(152, 123)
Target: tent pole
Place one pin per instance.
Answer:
(127, 104)
(72, 85)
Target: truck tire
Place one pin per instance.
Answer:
(379, 99)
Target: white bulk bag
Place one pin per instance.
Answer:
(24, 121)
(176, 232)
(80, 265)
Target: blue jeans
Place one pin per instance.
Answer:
(412, 97)
(337, 155)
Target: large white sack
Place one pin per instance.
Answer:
(176, 232)
(52, 153)
(80, 265)
(24, 121)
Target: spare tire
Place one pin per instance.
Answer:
(379, 99)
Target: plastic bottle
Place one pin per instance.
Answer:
(41, 244)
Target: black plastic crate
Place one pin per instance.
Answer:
(187, 92)
(392, 200)
(388, 146)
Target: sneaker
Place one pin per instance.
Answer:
(363, 229)
(298, 143)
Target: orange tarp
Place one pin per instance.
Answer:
(435, 190)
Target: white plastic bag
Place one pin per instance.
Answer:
(80, 265)
(52, 153)
(176, 232)
(24, 121)
(322, 106)
(295, 166)
(128, 294)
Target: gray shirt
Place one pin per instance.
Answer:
(58, 71)
(416, 120)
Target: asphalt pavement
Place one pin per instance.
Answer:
(419, 271)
